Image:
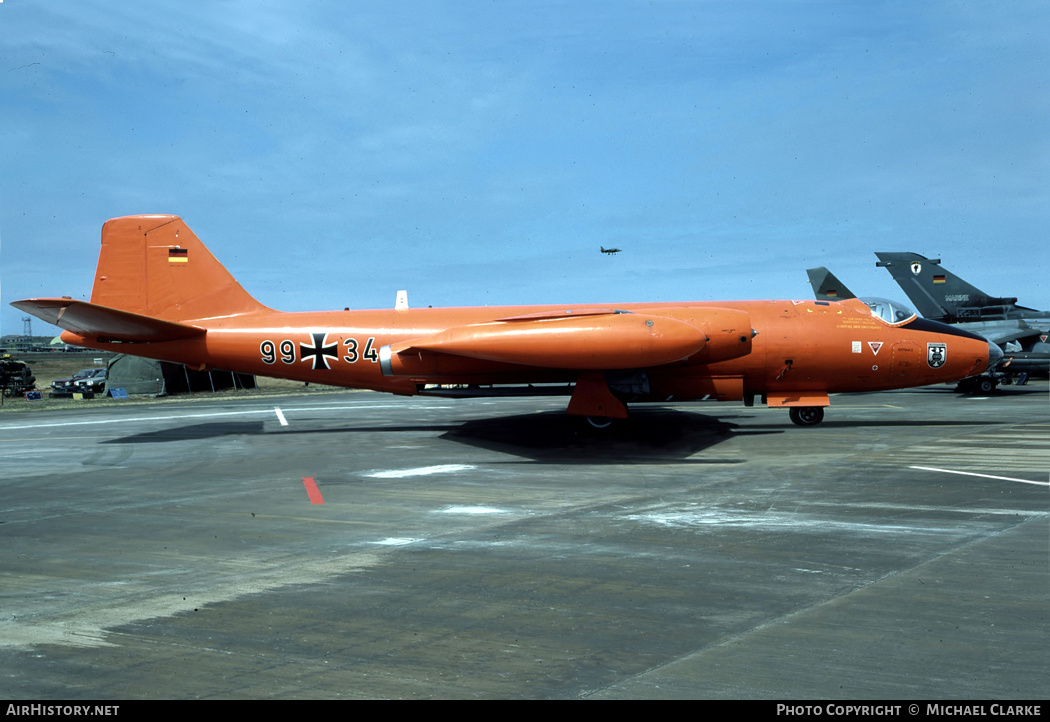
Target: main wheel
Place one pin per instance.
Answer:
(599, 422)
(806, 415)
(985, 385)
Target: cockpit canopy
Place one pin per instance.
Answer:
(889, 311)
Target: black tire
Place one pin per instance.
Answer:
(806, 415)
(984, 385)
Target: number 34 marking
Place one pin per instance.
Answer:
(369, 353)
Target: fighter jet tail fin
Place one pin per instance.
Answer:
(937, 293)
(826, 287)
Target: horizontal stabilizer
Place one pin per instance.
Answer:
(103, 322)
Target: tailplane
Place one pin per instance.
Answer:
(155, 266)
(105, 324)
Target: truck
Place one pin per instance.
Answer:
(15, 377)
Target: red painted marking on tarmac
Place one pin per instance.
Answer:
(312, 491)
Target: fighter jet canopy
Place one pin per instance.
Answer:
(889, 311)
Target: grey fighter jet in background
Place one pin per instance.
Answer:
(940, 295)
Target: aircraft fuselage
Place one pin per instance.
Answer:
(796, 346)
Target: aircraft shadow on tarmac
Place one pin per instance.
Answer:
(648, 436)
(196, 431)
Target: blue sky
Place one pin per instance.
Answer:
(479, 153)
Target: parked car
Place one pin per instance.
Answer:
(68, 386)
(95, 383)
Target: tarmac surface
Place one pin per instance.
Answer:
(491, 549)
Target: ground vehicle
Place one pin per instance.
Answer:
(95, 383)
(68, 386)
(15, 377)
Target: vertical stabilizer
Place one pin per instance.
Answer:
(937, 293)
(155, 266)
(826, 286)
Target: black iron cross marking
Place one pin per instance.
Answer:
(319, 351)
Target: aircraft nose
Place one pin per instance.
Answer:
(995, 355)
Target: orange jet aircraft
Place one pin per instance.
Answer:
(159, 293)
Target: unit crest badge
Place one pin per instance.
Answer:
(936, 354)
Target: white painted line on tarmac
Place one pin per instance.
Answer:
(471, 510)
(355, 407)
(280, 416)
(985, 476)
(396, 541)
(131, 420)
(420, 471)
(202, 415)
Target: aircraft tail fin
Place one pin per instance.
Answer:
(937, 293)
(155, 266)
(826, 286)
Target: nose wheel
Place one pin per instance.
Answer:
(806, 415)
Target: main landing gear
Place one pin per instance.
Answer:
(806, 415)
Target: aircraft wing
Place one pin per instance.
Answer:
(607, 341)
(564, 313)
(1003, 332)
(103, 322)
(591, 339)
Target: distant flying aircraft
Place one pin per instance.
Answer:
(610, 251)
(159, 293)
